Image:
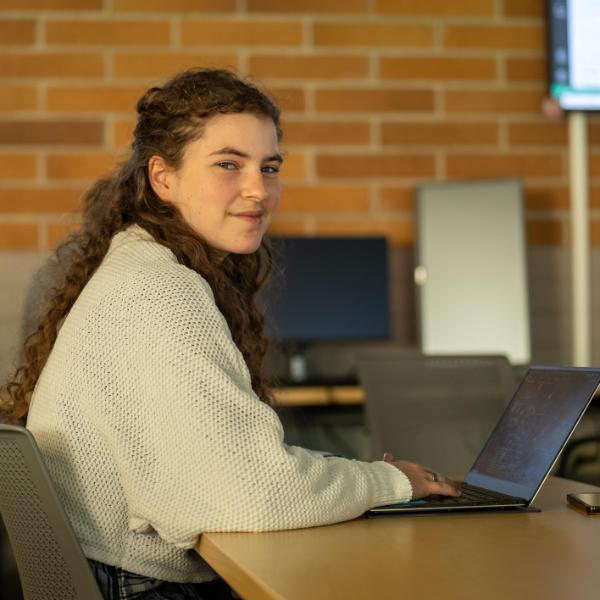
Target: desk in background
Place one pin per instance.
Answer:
(324, 417)
(318, 395)
(552, 555)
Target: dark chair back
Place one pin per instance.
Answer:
(435, 410)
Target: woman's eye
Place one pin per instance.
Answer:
(227, 165)
(270, 169)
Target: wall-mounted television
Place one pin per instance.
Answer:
(574, 53)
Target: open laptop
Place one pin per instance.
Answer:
(525, 444)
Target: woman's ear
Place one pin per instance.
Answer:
(161, 178)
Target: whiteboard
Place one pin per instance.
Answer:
(471, 269)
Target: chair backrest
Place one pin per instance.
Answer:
(435, 410)
(49, 559)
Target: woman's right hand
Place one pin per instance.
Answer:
(424, 482)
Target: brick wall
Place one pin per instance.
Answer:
(378, 96)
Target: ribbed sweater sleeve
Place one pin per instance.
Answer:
(195, 448)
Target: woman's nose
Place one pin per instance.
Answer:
(254, 186)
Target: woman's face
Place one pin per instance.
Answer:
(227, 186)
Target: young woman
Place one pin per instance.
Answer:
(148, 397)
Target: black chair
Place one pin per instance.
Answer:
(435, 410)
(580, 460)
(49, 559)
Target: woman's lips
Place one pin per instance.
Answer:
(255, 218)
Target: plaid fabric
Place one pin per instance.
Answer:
(117, 584)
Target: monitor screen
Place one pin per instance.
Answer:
(328, 289)
(574, 53)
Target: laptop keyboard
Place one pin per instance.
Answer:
(472, 496)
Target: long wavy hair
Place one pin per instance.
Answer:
(169, 118)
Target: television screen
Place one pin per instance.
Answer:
(574, 53)
(328, 289)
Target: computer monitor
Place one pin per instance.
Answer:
(573, 53)
(327, 289)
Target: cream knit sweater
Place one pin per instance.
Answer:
(152, 434)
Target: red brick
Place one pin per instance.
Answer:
(503, 37)
(326, 132)
(546, 198)
(444, 133)
(38, 200)
(502, 165)
(150, 65)
(594, 164)
(429, 67)
(93, 98)
(241, 33)
(308, 67)
(396, 199)
(374, 100)
(437, 8)
(123, 132)
(526, 69)
(14, 31)
(70, 5)
(544, 133)
(593, 130)
(288, 99)
(56, 232)
(18, 236)
(308, 6)
(594, 197)
(324, 198)
(294, 166)
(17, 166)
(545, 232)
(81, 166)
(375, 165)
(287, 226)
(524, 8)
(17, 98)
(373, 35)
(493, 101)
(108, 32)
(400, 232)
(43, 132)
(174, 5)
(51, 64)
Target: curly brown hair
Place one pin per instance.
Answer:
(169, 118)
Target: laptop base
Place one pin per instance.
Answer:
(438, 510)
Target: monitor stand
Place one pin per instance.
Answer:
(301, 370)
(297, 371)
(297, 365)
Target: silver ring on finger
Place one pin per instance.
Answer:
(434, 476)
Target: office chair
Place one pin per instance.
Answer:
(580, 460)
(434, 410)
(49, 559)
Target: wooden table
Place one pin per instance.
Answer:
(318, 395)
(552, 555)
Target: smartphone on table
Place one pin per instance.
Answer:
(589, 502)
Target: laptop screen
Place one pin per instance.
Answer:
(533, 429)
